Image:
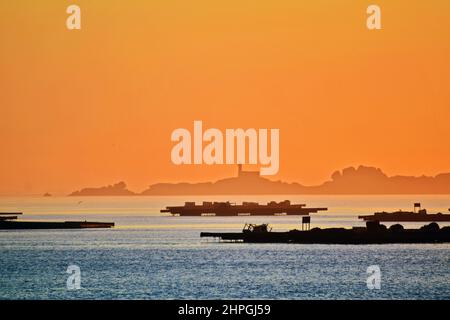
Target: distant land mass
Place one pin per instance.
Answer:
(118, 189)
(360, 180)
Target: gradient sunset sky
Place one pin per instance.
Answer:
(98, 105)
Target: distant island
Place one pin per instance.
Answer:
(360, 180)
(118, 189)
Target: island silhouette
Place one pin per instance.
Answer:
(118, 189)
(351, 180)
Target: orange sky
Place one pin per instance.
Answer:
(96, 106)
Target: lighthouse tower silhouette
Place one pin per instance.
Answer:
(241, 173)
(239, 170)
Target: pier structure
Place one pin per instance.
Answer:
(373, 233)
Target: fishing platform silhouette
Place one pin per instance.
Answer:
(421, 215)
(8, 221)
(246, 208)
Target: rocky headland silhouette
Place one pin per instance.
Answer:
(351, 180)
(118, 189)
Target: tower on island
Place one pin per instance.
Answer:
(246, 174)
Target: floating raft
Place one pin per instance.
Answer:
(374, 233)
(54, 225)
(407, 216)
(246, 208)
(7, 216)
(8, 221)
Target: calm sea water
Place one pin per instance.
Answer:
(152, 256)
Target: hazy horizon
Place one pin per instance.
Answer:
(330, 179)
